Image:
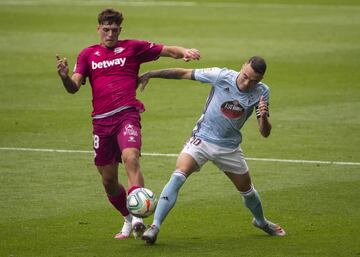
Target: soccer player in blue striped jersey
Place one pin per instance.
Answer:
(217, 137)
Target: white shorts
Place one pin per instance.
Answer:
(226, 159)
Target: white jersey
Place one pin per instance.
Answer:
(227, 108)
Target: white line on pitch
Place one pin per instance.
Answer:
(175, 155)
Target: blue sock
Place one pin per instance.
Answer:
(168, 197)
(252, 202)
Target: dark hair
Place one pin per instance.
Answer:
(258, 64)
(110, 16)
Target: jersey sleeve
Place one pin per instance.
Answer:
(207, 75)
(81, 65)
(147, 51)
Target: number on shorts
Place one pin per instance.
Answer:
(96, 140)
(195, 141)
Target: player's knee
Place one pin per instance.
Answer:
(249, 192)
(109, 180)
(131, 159)
(111, 185)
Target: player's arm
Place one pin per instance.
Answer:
(178, 52)
(262, 114)
(72, 84)
(175, 73)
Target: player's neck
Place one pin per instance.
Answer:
(109, 47)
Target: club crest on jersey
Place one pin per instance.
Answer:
(130, 131)
(232, 109)
(118, 50)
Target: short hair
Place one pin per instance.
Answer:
(110, 16)
(258, 64)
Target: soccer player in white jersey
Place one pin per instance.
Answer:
(217, 137)
(112, 67)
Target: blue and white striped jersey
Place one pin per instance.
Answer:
(227, 108)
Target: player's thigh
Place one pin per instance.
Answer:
(193, 156)
(229, 160)
(187, 164)
(105, 148)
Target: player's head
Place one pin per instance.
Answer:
(109, 27)
(251, 73)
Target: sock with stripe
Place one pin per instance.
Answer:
(168, 197)
(252, 202)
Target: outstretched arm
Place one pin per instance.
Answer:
(175, 73)
(72, 85)
(178, 52)
(263, 119)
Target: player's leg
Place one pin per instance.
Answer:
(129, 142)
(235, 168)
(130, 159)
(106, 160)
(250, 196)
(131, 162)
(185, 166)
(252, 201)
(191, 159)
(116, 194)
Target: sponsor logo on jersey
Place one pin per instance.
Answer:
(97, 53)
(232, 109)
(118, 50)
(108, 63)
(131, 139)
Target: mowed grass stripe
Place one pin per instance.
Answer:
(181, 4)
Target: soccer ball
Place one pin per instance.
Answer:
(141, 202)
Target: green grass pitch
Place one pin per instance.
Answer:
(53, 205)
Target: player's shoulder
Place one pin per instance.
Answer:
(132, 42)
(263, 86)
(90, 49)
(227, 74)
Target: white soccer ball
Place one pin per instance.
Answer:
(141, 202)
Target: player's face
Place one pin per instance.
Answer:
(109, 34)
(247, 78)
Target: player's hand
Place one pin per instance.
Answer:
(143, 80)
(191, 54)
(62, 67)
(263, 107)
